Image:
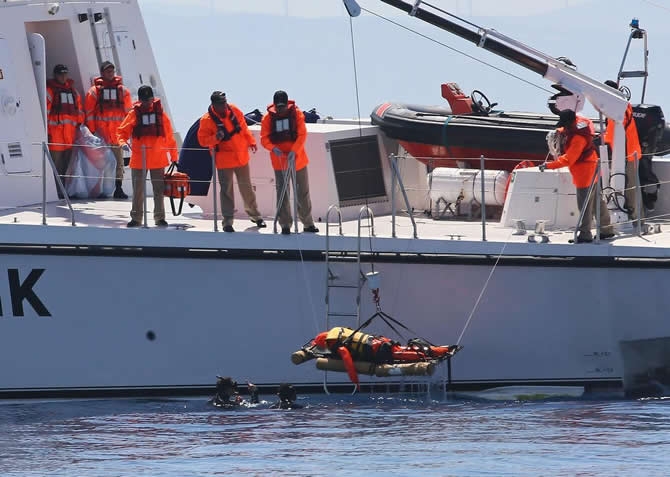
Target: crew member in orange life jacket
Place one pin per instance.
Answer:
(64, 115)
(107, 103)
(153, 140)
(283, 133)
(581, 158)
(224, 131)
(633, 153)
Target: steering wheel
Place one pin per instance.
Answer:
(480, 103)
(626, 92)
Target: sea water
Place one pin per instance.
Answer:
(363, 434)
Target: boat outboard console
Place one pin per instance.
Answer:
(651, 128)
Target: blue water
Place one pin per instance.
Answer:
(337, 435)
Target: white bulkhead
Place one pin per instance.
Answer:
(34, 37)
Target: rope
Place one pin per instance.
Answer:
(360, 127)
(481, 294)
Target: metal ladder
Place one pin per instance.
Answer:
(333, 281)
(104, 20)
(340, 257)
(636, 33)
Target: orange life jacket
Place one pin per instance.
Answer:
(64, 100)
(109, 94)
(149, 121)
(633, 148)
(588, 154)
(284, 125)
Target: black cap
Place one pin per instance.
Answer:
(280, 98)
(145, 93)
(218, 97)
(105, 65)
(611, 84)
(59, 69)
(566, 117)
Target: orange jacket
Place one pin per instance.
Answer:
(233, 152)
(580, 154)
(296, 119)
(156, 146)
(107, 103)
(64, 114)
(632, 139)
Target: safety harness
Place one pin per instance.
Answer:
(227, 135)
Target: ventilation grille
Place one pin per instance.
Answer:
(14, 149)
(358, 171)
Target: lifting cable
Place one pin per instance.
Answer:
(360, 129)
(481, 293)
(382, 17)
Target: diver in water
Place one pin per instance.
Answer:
(287, 397)
(228, 397)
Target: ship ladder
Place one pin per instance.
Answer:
(339, 287)
(102, 32)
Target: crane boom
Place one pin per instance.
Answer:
(607, 101)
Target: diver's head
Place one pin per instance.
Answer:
(225, 386)
(287, 393)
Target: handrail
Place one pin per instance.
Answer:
(395, 177)
(46, 155)
(639, 206)
(482, 209)
(214, 198)
(6, 3)
(328, 277)
(365, 209)
(289, 174)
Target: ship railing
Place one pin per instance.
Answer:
(614, 199)
(106, 175)
(396, 179)
(46, 157)
(49, 4)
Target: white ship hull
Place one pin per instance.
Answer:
(124, 323)
(101, 310)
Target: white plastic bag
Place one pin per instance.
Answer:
(92, 168)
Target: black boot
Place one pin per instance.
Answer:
(118, 193)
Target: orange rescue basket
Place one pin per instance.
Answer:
(177, 186)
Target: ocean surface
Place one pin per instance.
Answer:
(366, 434)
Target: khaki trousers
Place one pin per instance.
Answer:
(118, 154)
(61, 161)
(228, 196)
(630, 194)
(587, 221)
(304, 201)
(158, 185)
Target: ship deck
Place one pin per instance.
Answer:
(102, 223)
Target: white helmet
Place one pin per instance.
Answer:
(565, 99)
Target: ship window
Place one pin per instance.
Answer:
(359, 176)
